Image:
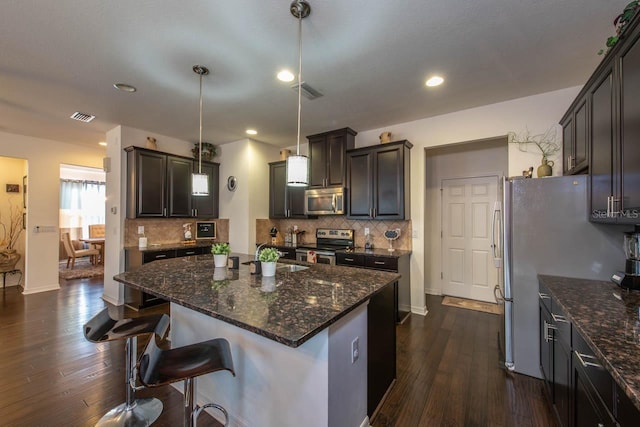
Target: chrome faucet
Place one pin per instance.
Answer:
(258, 250)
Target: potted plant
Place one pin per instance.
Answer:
(220, 253)
(269, 257)
(620, 23)
(546, 143)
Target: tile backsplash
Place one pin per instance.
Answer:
(167, 230)
(376, 228)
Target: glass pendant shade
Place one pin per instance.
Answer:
(200, 184)
(297, 171)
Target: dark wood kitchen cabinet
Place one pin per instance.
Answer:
(327, 157)
(608, 107)
(575, 141)
(159, 186)
(378, 181)
(284, 201)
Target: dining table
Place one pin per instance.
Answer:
(98, 243)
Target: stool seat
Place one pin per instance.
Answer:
(158, 367)
(102, 328)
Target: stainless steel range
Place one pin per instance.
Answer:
(328, 241)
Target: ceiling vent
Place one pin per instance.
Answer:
(307, 91)
(82, 117)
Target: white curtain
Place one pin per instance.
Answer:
(82, 203)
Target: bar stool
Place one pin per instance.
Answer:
(101, 328)
(158, 367)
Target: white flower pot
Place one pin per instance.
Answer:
(268, 284)
(219, 273)
(220, 260)
(268, 269)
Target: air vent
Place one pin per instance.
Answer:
(83, 117)
(307, 91)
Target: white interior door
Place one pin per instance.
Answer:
(467, 259)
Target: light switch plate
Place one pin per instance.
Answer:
(141, 229)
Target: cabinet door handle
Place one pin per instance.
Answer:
(371, 212)
(164, 211)
(615, 210)
(349, 259)
(379, 262)
(191, 253)
(609, 206)
(375, 213)
(543, 296)
(559, 318)
(582, 356)
(548, 327)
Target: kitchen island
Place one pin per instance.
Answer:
(292, 336)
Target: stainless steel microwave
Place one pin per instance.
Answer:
(324, 201)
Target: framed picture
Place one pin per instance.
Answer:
(24, 191)
(24, 220)
(13, 188)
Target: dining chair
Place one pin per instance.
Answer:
(73, 253)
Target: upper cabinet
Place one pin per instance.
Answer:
(327, 154)
(378, 181)
(284, 201)
(575, 141)
(159, 186)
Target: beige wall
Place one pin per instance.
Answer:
(43, 199)
(536, 113)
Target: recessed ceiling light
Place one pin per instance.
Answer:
(434, 81)
(251, 132)
(285, 76)
(125, 87)
(104, 144)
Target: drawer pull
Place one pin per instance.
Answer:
(379, 262)
(581, 358)
(191, 253)
(160, 256)
(349, 259)
(543, 296)
(559, 318)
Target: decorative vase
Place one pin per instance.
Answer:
(151, 143)
(220, 260)
(268, 269)
(545, 168)
(8, 259)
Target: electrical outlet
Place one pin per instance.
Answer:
(414, 234)
(355, 349)
(141, 229)
(366, 231)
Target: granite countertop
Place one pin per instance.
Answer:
(170, 246)
(289, 308)
(605, 315)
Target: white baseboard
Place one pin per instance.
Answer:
(422, 311)
(53, 287)
(110, 300)
(433, 291)
(365, 422)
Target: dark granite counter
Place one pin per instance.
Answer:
(171, 246)
(380, 252)
(289, 308)
(605, 316)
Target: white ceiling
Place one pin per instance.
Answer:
(369, 58)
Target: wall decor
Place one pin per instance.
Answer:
(13, 188)
(232, 183)
(24, 191)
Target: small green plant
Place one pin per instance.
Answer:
(621, 23)
(220, 249)
(269, 255)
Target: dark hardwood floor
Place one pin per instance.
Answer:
(51, 376)
(448, 371)
(449, 375)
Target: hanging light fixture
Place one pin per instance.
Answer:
(200, 181)
(298, 166)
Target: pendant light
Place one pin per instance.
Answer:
(200, 181)
(298, 165)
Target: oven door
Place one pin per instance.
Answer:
(321, 257)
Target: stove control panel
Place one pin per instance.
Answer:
(331, 233)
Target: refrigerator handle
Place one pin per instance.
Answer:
(496, 221)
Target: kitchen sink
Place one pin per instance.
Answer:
(290, 267)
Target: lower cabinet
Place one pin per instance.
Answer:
(133, 258)
(582, 391)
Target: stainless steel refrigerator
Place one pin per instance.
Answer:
(541, 227)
